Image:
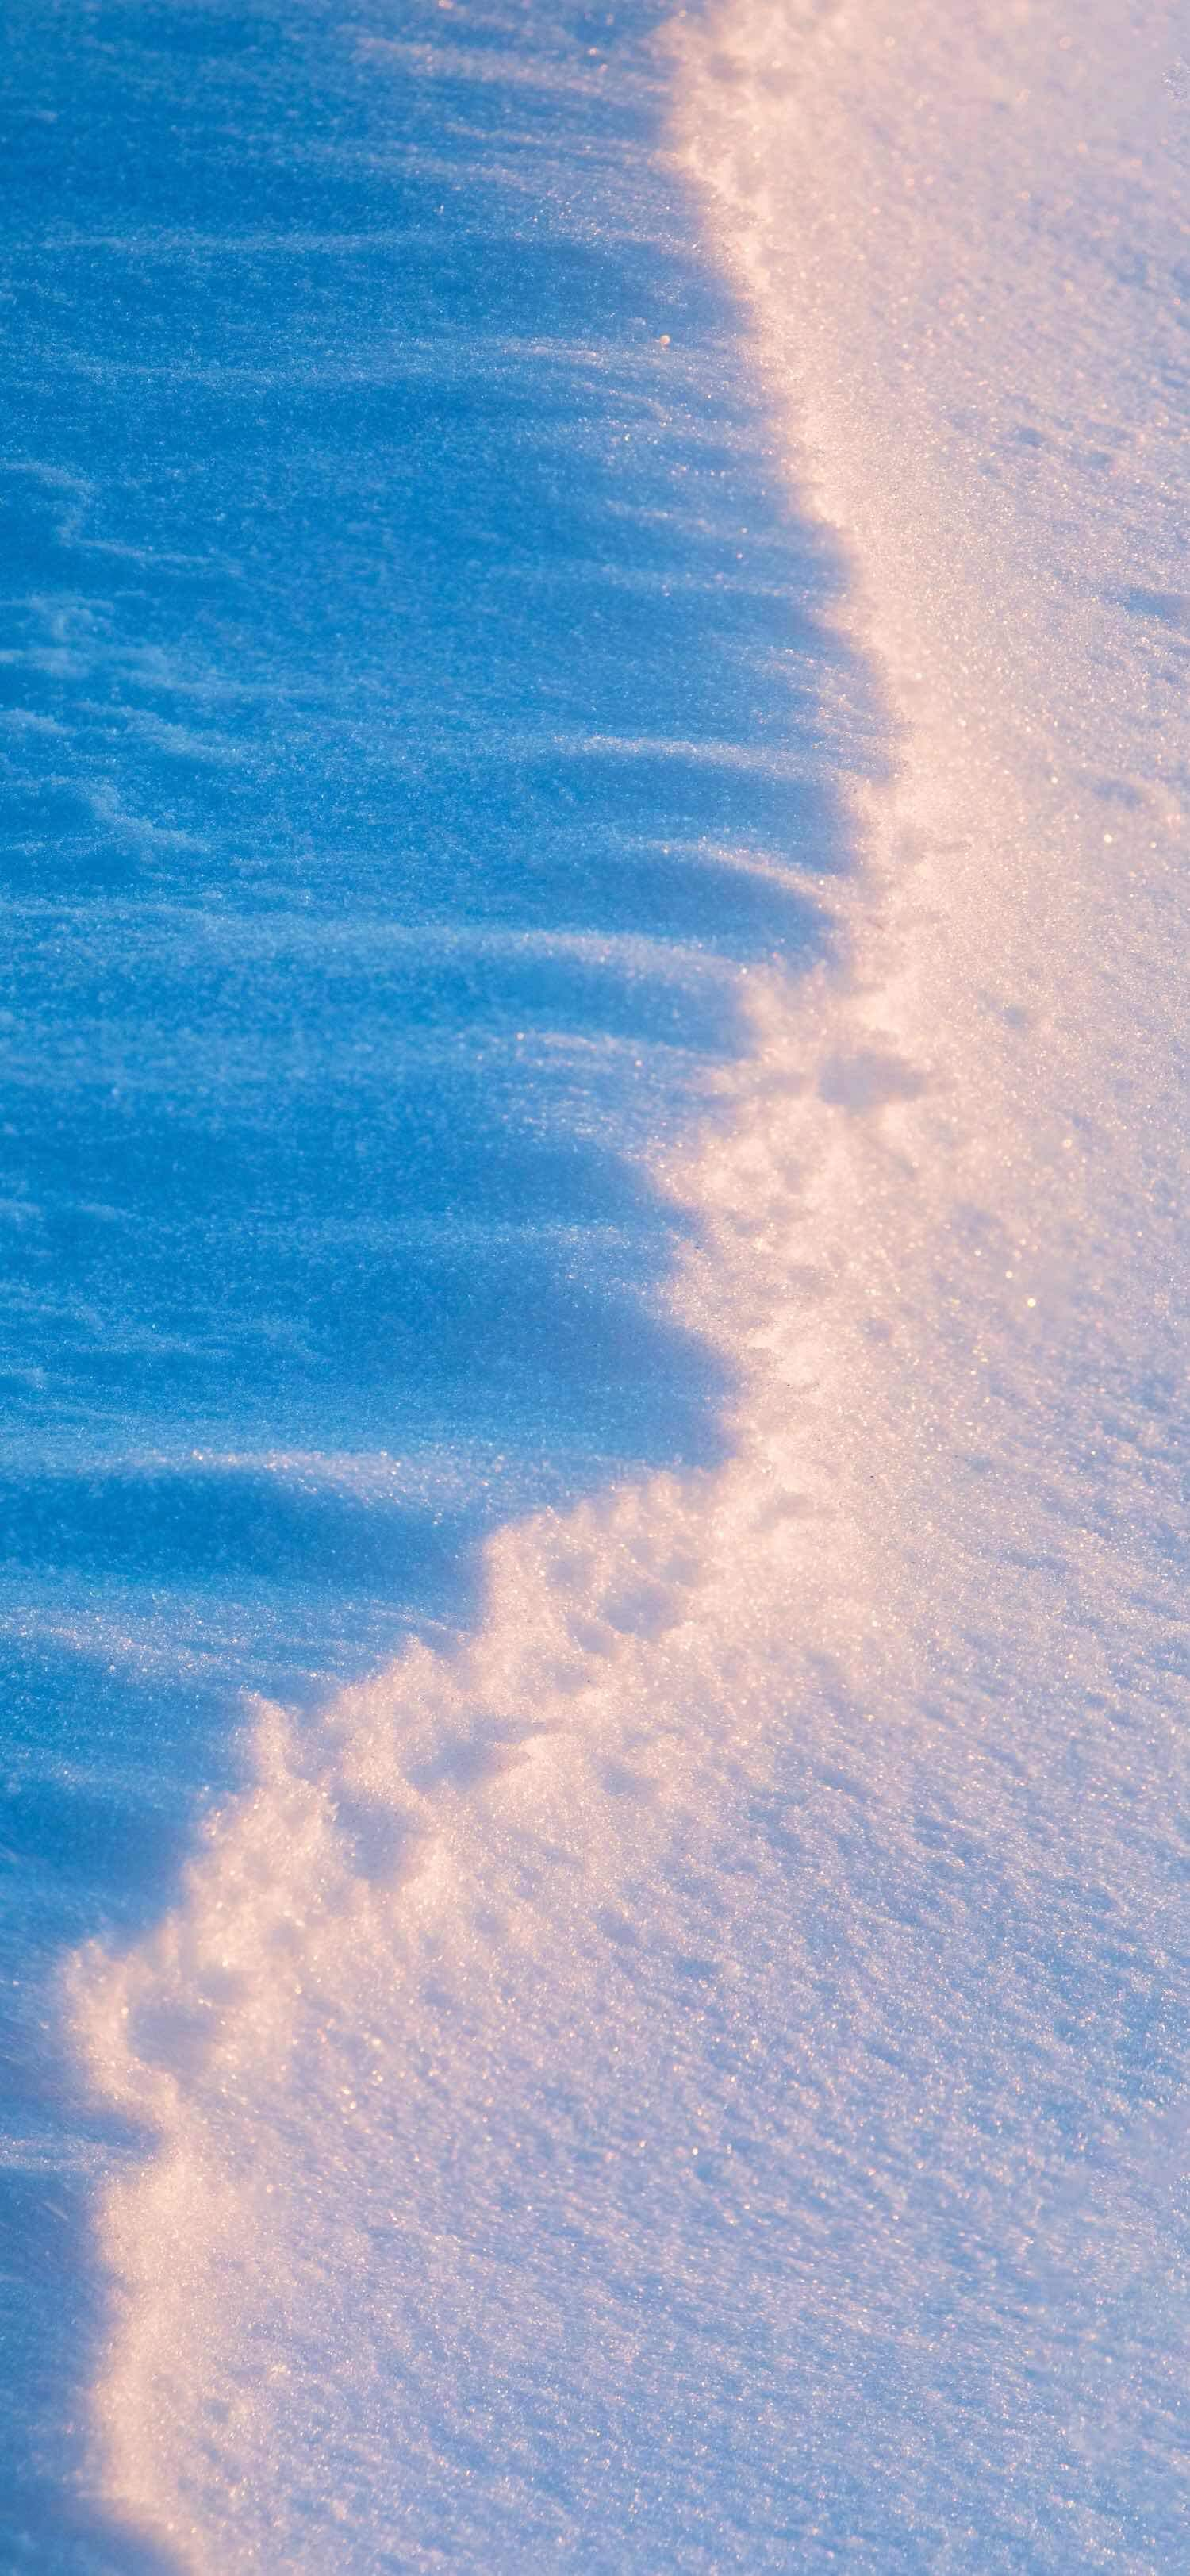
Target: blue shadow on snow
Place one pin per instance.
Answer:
(414, 708)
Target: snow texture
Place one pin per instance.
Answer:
(687, 2071)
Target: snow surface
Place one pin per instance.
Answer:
(387, 680)
(689, 2071)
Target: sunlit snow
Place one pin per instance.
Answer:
(595, 1484)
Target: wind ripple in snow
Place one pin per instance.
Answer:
(688, 2075)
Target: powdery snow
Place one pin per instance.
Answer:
(691, 2077)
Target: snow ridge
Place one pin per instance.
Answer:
(689, 2075)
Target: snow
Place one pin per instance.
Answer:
(684, 2067)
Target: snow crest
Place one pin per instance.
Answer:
(689, 2076)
